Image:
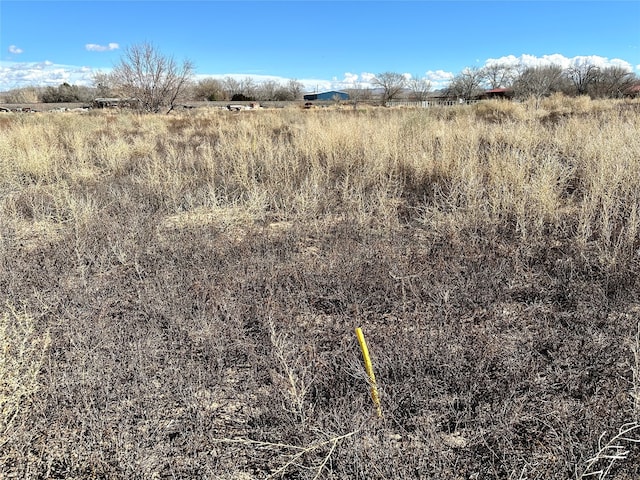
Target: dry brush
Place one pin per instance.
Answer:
(196, 279)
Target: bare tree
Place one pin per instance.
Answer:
(612, 82)
(248, 87)
(498, 75)
(209, 89)
(466, 85)
(156, 81)
(295, 88)
(288, 92)
(103, 83)
(392, 84)
(358, 93)
(273, 90)
(420, 88)
(582, 75)
(267, 90)
(23, 95)
(231, 87)
(283, 94)
(240, 90)
(540, 82)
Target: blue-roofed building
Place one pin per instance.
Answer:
(326, 96)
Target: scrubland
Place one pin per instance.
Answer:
(179, 293)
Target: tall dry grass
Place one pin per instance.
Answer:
(570, 166)
(200, 275)
(22, 352)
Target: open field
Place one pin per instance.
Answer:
(179, 293)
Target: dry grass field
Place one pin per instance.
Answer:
(178, 293)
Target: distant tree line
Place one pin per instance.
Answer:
(158, 82)
(64, 93)
(246, 89)
(211, 89)
(521, 82)
(581, 79)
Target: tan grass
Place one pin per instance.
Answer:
(499, 165)
(22, 350)
(202, 272)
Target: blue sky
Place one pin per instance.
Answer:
(329, 44)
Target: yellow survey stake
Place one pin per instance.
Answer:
(369, 368)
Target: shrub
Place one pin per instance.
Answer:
(23, 95)
(66, 93)
(241, 97)
(496, 111)
(22, 350)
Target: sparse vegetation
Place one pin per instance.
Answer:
(189, 285)
(23, 349)
(156, 81)
(22, 95)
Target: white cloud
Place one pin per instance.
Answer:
(367, 77)
(439, 78)
(15, 50)
(93, 47)
(42, 74)
(351, 80)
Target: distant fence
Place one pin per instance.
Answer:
(430, 103)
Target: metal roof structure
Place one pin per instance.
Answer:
(329, 95)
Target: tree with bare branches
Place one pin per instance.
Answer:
(103, 84)
(154, 80)
(466, 85)
(582, 75)
(498, 75)
(420, 88)
(612, 82)
(210, 89)
(294, 87)
(391, 83)
(539, 82)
